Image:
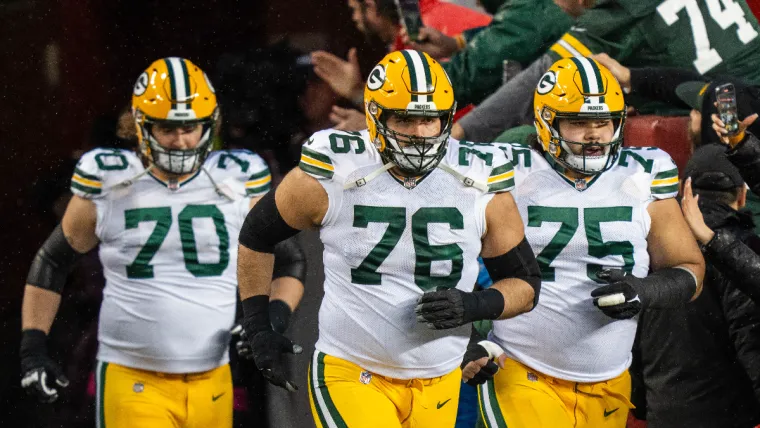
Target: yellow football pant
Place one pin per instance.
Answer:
(520, 397)
(128, 398)
(343, 394)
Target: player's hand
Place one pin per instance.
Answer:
(266, 348)
(433, 42)
(242, 347)
(41, 376)
(344, 77)
(621, 72)
(442, 309)
(478, 365)
(348, 119)
(732, 140)
(620, 298)
(693, 216)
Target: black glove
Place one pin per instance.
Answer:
(39, 374)
(451, 308)
(265, 344)
(475, 352)
(279, 313)
(620, 298)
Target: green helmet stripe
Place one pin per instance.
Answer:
(584, 76)
(172, 82)
(412, 74)
(598, 77)
(186, 75)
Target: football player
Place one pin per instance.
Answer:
(610, 240)
(167, 223)
(403, 212)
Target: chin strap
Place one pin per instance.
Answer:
(369, 177)
(128, 182)
(467, 181)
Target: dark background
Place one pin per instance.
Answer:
(65, 62)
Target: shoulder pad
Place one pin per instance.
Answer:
(331, 152)
(487, 163)
(662, 171)
(100, 169)
(240, 167)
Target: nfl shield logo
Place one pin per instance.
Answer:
(580, 184)
(365, 378)
(410, 182)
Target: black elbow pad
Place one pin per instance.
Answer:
(519, 262)
(289, 260)
(264, 227)
(53, 262)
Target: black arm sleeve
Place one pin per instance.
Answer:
(289, 260)
(53, 262)
(735, 261)
(746, 158)
(743, 317)
(264, 227)
(659, 83)
(519, 262)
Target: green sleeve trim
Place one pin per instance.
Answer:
(86, 189)
(315, 155)
(83, 174)
(666, 174)
(313, 170)
(664, 190)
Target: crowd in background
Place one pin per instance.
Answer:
(701, 363)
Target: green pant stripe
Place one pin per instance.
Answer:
(491, 411)
(101, 385)
(315, 397)
(339, 422)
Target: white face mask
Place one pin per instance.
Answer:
(410, 158)
(591, 164)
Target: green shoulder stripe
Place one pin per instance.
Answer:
(666, 174)
(665, 189)
(83, 174)
(315, 155)
(85, 189)
(313, 170)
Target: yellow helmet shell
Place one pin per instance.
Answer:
(407, 82)
(176, 91)
(576, 88)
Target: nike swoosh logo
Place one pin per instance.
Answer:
(216, 397)
(439, 405)
(606, 413)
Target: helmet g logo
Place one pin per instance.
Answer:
(376, 78)
(141, 85)
(547, 82)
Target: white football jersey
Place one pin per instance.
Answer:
(169, 256)
(388, 241)
(575, 229)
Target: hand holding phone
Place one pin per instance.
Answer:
(409, 12)
(725, 96)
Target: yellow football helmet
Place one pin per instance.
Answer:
(409, 83)
(581, 89)
(176, 92)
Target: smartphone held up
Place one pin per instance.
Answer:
(409, 12)
(725, 95)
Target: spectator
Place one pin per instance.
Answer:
(521, 30)
(682, 88)
(633, 32)
(379, 18)
(701, 363)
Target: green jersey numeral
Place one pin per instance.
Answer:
(569, 221)
(141, 268)
(425, 253)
